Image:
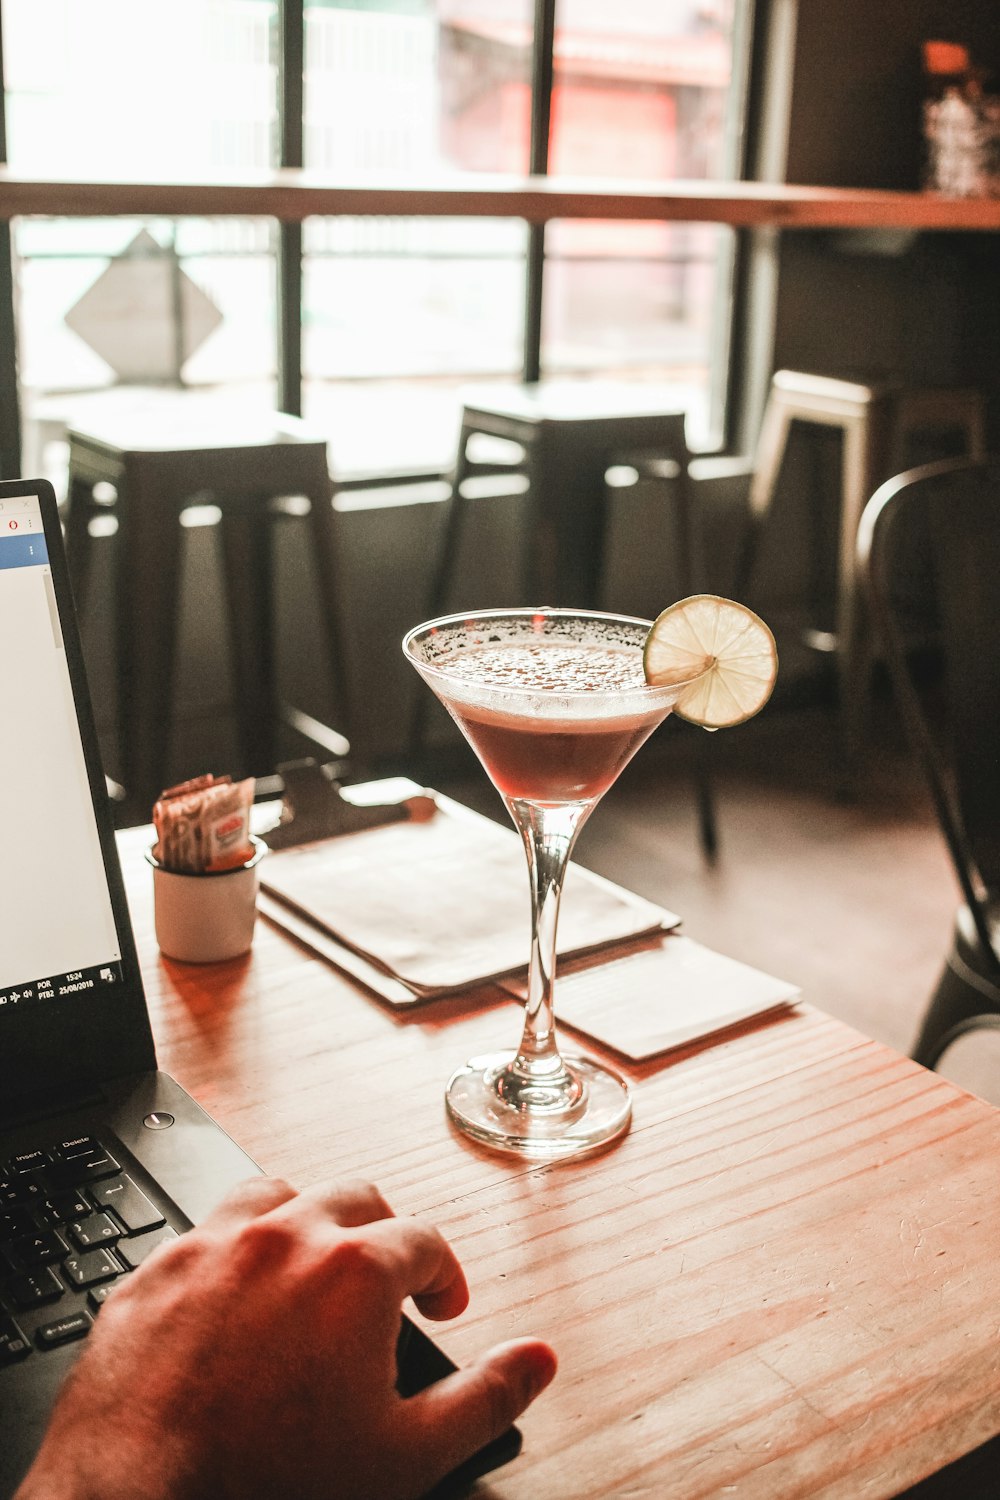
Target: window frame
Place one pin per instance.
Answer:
(289, 153)
(291, 103)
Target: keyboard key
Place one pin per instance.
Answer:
(26, 1161)
(34, 1287)
(34, 1250)
(78, 1145)
(134, 1251)
(96, 1229)
(98, 1295)
(13, 1344)
(20, 1192)
(77, 1170)
(93, 1266)
(59, 1208)
(15, 1223)
(129, 1203)
(72, 1326)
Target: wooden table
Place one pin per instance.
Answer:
(783, 1282)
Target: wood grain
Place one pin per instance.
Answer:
(294, 194)
(783, 1282)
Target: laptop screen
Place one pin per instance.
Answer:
(59, 936)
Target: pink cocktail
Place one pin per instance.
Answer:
(557, 746)
(555, 703)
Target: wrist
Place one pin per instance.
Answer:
(137, 1471)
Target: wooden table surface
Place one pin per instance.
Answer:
(783, 1282)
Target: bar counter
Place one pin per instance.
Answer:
(293, 194)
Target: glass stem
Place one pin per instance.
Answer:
(548, 834)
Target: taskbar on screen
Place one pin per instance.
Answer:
(76, 982)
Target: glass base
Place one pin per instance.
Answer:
(591, 1113)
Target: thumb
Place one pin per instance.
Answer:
(452, 1419)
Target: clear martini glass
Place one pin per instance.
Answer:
(554, 702)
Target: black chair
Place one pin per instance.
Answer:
(952, 509)
(877, 422)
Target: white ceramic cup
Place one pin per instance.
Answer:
(203, 919)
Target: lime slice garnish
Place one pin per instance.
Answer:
(725, 647)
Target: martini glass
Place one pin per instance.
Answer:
(554, 702)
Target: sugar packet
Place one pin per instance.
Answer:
(203, 825)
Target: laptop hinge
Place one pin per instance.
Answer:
(30, 1112)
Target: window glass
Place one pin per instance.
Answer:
(398, 313)
(396, 86)
(400, 90)
(136, 87)
(139, 86)
(638, 301)
(98, 303)
(642, 90)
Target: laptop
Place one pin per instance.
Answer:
(102, 1156)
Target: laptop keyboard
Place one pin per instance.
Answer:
(73, 1223)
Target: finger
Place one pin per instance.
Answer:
(246, 1204)
(350, 1203)
(452, 1419)
(249, 1200)
(423, 1266)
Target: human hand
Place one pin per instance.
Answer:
(255, 1356)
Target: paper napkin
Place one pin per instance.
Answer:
(661, 993)
(443, 905)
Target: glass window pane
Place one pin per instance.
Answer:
(643, 90)
(637, 300)
(139, 85)
(418, 86)
(398, 314)
(139, 303)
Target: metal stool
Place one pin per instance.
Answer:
(877, 421)
(569, 434)
(158, 464)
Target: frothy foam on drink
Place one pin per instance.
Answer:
(548, 666)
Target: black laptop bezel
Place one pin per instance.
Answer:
(55, 1051)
